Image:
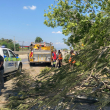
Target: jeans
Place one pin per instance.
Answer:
(1, 80)
(60, 62)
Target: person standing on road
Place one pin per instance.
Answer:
(1, 73)
(59, 58)
(54, 57)
(31, 46)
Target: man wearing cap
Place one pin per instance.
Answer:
(54, 57)
(1, 73)
(31, 46)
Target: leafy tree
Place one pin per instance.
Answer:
(17, 47)
(89, 26)
(38, 39)
(9, 44)
(67, 58)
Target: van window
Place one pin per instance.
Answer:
(5, 52)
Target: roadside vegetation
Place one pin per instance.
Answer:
(66, 58)
(8, 43)
(88, 23)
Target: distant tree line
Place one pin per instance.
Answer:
(8, 43)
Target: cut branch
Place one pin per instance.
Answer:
(98, 87)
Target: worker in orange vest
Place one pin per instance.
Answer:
(70, 59)
(59, 58)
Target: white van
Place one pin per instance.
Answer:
(11, 61)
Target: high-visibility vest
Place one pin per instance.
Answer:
(60, 57)
(31, 54)
(71, 58)
(54, 57)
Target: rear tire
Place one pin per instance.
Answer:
(32, 64)
(49, 64)
(19, 69)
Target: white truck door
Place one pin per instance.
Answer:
(7, 68)
(13, 62)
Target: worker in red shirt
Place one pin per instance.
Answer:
(54, 58)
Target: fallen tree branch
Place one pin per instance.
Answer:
(105, 48)
(98, 87)
(88, 86)
(95, 78)
(107, 87)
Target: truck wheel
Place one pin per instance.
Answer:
(49, 64)
(19, 69)
(32, 64)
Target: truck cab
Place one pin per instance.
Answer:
(11, 61)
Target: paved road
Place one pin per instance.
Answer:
(25, 61)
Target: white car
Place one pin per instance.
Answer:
(11, 61)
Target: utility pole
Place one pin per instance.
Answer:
(14, 43)
(22, 45)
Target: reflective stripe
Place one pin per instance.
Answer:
(31, 54)
(12, 59)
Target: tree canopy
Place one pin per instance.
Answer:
(80, 19)
(38, 39)
(9, 44)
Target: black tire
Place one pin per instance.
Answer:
(32, 64)
(49, 64)
(19, 69)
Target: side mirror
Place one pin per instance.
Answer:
(16, 55)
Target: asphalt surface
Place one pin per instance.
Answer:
(25, 61)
